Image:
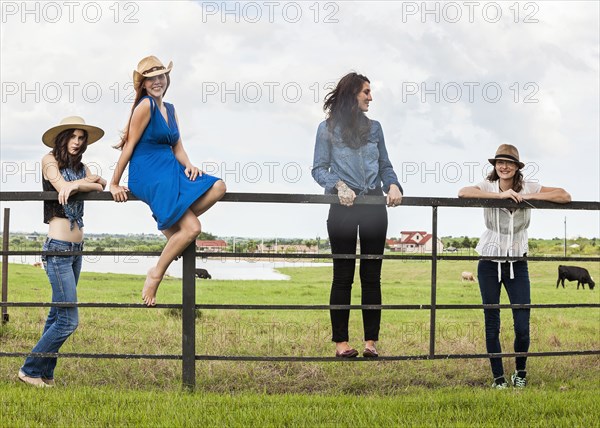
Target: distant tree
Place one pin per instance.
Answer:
(466, 242)
(205, 236)
(252, 246)
(310, 243)
(111, 243)
(241, 246)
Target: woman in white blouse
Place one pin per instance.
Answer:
(506, 236)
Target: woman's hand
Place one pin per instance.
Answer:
(511, 194)
(394, 196)
(66, 191)
(119, 193)
(345, 194)
(192, 172)
(102, 182)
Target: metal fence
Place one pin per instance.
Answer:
(189, 305)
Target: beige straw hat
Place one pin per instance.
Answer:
(149, 66)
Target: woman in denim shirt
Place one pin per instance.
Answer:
(351, 159)
(62, 171)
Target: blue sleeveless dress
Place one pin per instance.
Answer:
(155, 175)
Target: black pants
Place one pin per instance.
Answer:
(342, 225)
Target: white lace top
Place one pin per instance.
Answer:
(506, 232)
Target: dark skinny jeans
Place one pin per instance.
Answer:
(518, 290)
(343, 223)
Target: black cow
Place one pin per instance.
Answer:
(203, 274)
(574, 273)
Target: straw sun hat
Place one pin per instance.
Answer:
(72, 122)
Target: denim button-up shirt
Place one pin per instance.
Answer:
(362, 169)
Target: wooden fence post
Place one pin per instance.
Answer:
(5, 243)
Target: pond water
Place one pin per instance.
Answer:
(230, 269)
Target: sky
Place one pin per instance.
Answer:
(450, 81)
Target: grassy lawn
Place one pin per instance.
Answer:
(103, 406)
(561, 391)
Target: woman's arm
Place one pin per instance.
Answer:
(391, 185)
(139, 120)
(476, 192)
(551, 194)
(94, 178)
(321, 171)
(65, 188)
(191, 171)
(386, 170)
(322, 161)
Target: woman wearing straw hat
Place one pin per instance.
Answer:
(351, 159)
(506, 236)
(62, 171)
(160, 172)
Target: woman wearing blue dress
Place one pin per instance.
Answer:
(160, 172)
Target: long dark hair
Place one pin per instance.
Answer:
(517, 184)
(60, 151)
(140, 92)
(342, 110)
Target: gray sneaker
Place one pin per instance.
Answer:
(518, 381)
(500, 383)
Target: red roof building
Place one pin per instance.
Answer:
(415, 242)
(216, 245)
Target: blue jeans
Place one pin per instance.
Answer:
(518, 290)
(63, 273)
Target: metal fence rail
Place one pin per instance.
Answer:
(189, 305)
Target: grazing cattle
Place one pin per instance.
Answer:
(467, 276)
(203, 274)
(574, 273)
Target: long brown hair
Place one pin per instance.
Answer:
(140, 92)
(342, 110)
(60, 151)
(517, 184)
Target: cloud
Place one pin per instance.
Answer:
(248, 91)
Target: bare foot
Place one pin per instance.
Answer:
(150, 286)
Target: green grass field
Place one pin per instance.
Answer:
(561, 390)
